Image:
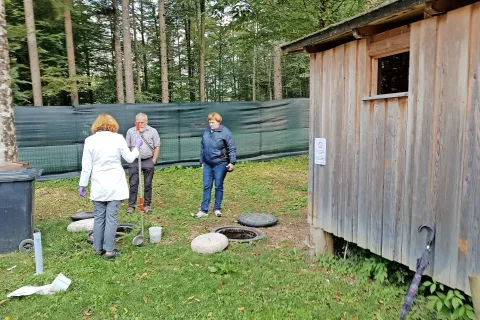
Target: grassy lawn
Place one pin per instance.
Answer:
(271, 279)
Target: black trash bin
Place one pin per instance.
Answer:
(17, 205)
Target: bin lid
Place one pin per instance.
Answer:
(20, 175)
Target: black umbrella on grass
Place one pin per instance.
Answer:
(422, 264)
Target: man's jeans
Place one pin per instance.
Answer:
(105, 224)
(210, 173)
(148, 170)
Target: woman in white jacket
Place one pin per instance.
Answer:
(101, 164)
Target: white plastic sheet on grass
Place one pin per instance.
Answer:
(61, 283)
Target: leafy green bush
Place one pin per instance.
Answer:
(375, 267)
(367, 265)
(448, 303)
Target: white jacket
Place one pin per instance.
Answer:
(101, 160)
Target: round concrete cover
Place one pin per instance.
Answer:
(81, 225)
(257, 219)
(209, 243)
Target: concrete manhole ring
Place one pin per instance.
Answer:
(122, 229)
(80, 225)
(240, 234)
(82, 215)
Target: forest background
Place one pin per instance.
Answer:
(146, 51)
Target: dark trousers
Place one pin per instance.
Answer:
(148, 170)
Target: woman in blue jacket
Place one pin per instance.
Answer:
(218, 155)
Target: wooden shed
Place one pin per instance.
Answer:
(395, 93)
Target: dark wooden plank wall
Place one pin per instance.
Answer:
(393, 164)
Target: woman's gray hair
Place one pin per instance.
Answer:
(141, 115)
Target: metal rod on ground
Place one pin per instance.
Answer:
(140, 187)
(140, 190)
(474, 280)
(37, 245)
(138, 240)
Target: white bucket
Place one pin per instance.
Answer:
(61, 283)
(155, 234)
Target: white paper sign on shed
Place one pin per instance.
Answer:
(320, 151)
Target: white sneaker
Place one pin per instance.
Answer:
(201, 214)
(218, 213)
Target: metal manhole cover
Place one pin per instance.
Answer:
(257, 219)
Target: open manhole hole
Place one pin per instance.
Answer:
(122, 229)
(240, 233)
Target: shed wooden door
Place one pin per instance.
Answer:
(383, 127)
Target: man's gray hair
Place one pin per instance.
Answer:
(141, 115)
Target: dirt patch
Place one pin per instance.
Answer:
(290, 231)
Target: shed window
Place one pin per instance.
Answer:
(393, 73)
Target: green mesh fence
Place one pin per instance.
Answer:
(52, 138)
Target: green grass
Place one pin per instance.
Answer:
(271, 279)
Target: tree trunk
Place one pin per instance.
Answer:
(180, 62)
(72, 72)
(277, 69)
(202, 51)
(118, 54)
(235, 93)
(157, 32)
(111, 82)
(220, 70)
(215, 89)
(87, 63)
(269, 72)
(135, 48)
(142, 33)
(254, 64)
(254, 75)
(33, 53)
(188, 29)
(8, 140)
(163, 50)
(127, 52)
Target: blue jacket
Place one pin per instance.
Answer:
(218, 146)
